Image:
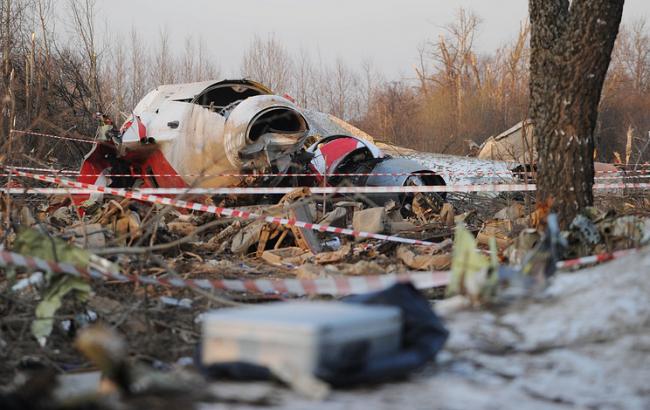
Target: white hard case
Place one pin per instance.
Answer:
(301, 336)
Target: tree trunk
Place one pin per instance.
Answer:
(571, 46)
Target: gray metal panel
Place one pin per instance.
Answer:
(394, 165)
(388, 166)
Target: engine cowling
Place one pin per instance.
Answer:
(263, 128)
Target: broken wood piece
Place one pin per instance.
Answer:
(222, 237)
(283, 235)
(511, 213)
(181, 228)
(333, 257)
(500, 230)
(128, 227)
(395, 227)
(423, 261)
(286, 256)
(371, 220)
(112, 210)
(305, 238)
(362, 268)
(447, 215)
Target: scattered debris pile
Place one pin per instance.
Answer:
(222, 195)
(43, 311)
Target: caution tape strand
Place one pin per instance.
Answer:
(457, 188)
(333, 286)
(603, 175)
(195, 206)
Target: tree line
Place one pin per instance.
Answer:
(455, 97)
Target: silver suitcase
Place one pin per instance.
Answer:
(302, 336)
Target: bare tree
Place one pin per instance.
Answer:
(319, 85)
(392, 115)
(268, 62)
(342, 91)
(421, 70)
(116, 81)
(82, 15)
(205, 68)
(43, 58)
(455, 53)
(139, 61)
(370, 82)
(164, 61)
(517, 70)
(634, 54)
(8, 100)
(303, 78)
(571, 45)
(187, 69)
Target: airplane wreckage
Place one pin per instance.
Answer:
(238, 133)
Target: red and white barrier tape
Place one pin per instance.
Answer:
(334, 286)
(195, 206)
(58, 137)
(262, 175)
(622, 185)
(622, 177)
(49, 171)
(47, 191)
(642, 174)
(313, 190)
(590, 260)
(90, 189)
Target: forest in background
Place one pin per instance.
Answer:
(455, 98)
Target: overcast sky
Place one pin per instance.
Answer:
(386, 32)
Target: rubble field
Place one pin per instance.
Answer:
(581, 341)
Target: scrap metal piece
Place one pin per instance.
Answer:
(300, 210)
(586, 228)
(305, 238)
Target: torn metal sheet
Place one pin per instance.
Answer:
(458, 170)
(517, 146)
(514, 145)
